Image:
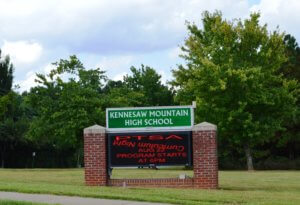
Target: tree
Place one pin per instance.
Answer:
(12, 119)
(13, 124)
(117, 94)
(291, 70)
(147, 81)
(232, 72)
(6, 75)
(65, 107)
(6, 80)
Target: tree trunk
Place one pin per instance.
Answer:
(249, 158)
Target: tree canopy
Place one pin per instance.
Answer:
(232, 71)
(148, 82)
(65, 107)
(13, 121)
(6, 75)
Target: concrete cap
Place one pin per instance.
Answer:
(204, 126)
(95, 129)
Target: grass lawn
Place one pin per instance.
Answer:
(236, 187)
(10, 202)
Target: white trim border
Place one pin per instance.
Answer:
(150, 129)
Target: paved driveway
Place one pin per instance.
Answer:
(66, 200)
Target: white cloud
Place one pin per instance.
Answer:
(115, 66)
(48, 68)
(120, 76)
(163, 76)
(22, 52)
(114, 62)
(282, 13)
(267, 7)
(115, 34)
(107, 26)
(175, 52)
(28, 82)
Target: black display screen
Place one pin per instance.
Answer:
(149, 149)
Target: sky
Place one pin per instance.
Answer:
(117, 34)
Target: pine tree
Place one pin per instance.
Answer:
(6, 75)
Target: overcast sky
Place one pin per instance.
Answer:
(116, 34)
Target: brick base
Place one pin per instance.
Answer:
(95, 156)
(166, 182)
(205, 161)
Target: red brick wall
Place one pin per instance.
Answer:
(205, 159)
(95, 159)
(167, 182)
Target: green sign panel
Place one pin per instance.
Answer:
(151, 117)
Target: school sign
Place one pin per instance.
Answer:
(150, 118)
(151, 137)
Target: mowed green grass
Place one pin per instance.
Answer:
(10, 202)
(236, 187)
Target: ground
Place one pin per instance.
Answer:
(236, 187)
(10, 202)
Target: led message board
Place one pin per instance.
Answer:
(149, 118)
(147, 149)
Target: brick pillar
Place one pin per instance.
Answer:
(95, 156)
(205, 157)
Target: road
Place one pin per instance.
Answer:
(66, 200)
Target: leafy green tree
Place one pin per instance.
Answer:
(6, 80)
(6, 75)
(65, 107)
(291, 70)
(117, 94)
(147, 81)
(111, 84)
(232, 72)
(13, 123)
